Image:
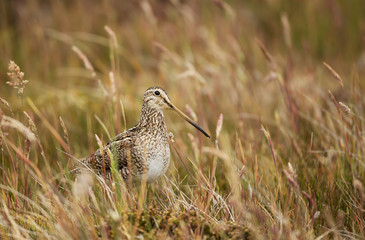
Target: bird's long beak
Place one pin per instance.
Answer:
(189, 120)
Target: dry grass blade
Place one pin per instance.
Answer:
(13, 123)
(49, 126)
(334, 73)
(85, 60)
(286, 30)
(266, 53)
(113, 36)
(267, 135)
(65, 132)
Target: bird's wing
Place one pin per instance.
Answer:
(122, 136)
(122, 147)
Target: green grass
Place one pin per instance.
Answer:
(287, 161)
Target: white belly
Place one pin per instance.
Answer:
(158, 164)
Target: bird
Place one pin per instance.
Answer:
(141, 152)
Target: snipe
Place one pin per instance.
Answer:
(142, 151)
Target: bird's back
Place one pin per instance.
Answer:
(122, 148)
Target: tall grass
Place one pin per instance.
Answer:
(280, 89)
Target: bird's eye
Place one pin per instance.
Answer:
(157, 93)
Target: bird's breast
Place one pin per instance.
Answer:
(158, 160)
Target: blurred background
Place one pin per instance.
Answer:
(209, 46)
(258, 63)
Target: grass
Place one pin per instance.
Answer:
(279, 90)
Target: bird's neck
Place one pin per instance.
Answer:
(151, 117)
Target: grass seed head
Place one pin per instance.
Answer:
(219, 125)
(345, 108)
(16, 77)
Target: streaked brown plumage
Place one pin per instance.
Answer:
(144, 149)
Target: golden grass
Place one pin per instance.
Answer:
(287, 158)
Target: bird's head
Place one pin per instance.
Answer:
(157, 98)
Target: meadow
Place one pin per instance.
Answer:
(278, 84)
